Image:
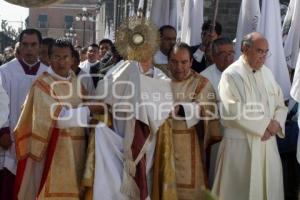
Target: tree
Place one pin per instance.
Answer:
(9, 30)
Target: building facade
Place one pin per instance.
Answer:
(56, 20)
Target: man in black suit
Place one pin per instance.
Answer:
(201, 52)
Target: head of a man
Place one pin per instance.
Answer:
(9, 53)
(180, 61)
(255, 49)
(167, 38)
(93, 53)
(210, 32)
(105, 45)
(44, 55)
(30, 43)
(61, 57)
(146, 64)
(222, 52)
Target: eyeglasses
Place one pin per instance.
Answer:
(58, 58)
(226, 54)
(262, 52)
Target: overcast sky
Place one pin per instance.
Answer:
(12, 13)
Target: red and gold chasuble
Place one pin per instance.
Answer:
(179, 168)
(51, 160)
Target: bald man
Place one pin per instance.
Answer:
(253, 113)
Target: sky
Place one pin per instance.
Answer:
(12, 13)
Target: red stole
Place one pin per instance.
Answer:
(30, 70)
(141, 133)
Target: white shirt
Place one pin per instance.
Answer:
(160, 58)
(86, 65)
(213, 74)
(198, 55)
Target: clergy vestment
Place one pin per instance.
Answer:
(213, 74)
(248, 168)
(86, 65)
(17, 78)
(51, 153)
(161, 62)
(4, 102)
(124, 152)
(189, 139)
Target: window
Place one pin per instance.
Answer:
(43, 21)
(68, 21)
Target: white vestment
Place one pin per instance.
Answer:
(4, 103)
(160, 58)
(213, 74)
(150, 106)
(86, 65)
(17, 84)
(248, 168)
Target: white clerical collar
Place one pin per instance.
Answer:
(150, 71)
(55, 75)
(160, 58)
(31, 65)
(198, 55)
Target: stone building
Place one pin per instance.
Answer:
(56, 20)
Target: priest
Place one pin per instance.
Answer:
(253, 113)
(17, 77)
(222, 51)
(167, 40)
(180, 161)
(50, 144)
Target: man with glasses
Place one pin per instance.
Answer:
(222, 52)
(253, 113)
(168, 36)
(50, 140)
(17, 77)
